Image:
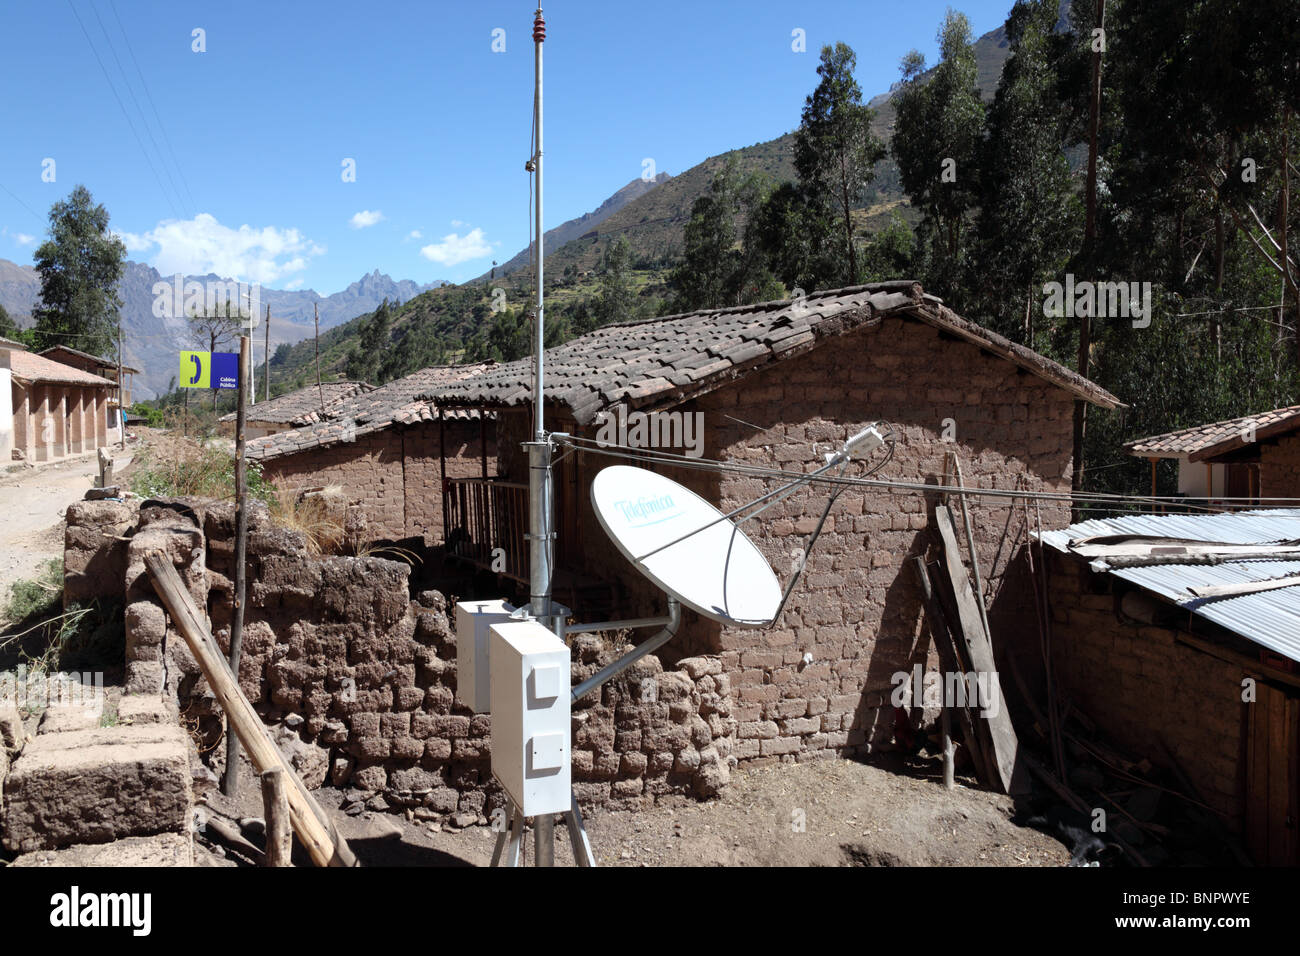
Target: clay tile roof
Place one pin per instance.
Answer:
(53, 353)
(668, 360)
(36, 368)
(305, 403)
(1217, 438)
(403, 401)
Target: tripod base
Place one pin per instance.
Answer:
(509, 840)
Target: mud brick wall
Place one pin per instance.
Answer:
(358, 681)
(395, 474)
(1142, 687)
(157, 657)
(1279, 468)
(94, 552)
(857, 609)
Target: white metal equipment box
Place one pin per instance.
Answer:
(473, 618)
(530, 717)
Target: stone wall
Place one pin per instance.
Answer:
(1143, 687)
(1279, 468)
(358, 681)
(395, 474)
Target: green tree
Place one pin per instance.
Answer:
(718, 269)
(936, 143)
(835, 152)
(616, 301)
(1030, 219)
(8, 327)
(80, 265)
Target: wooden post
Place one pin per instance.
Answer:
(1153, 484)
(970, 546)
(266, 353)
(121, 392)
(442, 468)
(319, 391)
(275, 807)
(230, 782)
(949, 783)
(314, 829)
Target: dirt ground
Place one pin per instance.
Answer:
(852, 814)
(32, 502)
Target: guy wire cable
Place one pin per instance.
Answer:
(1094, 498)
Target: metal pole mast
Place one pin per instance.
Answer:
(540, 502)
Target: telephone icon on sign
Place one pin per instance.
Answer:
(195, 370)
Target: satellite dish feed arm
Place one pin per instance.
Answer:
(617, 667)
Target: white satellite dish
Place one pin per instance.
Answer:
(717, 572)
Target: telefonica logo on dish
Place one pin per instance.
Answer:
(647, 510)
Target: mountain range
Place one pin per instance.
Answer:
(650, 214)
(151, 343)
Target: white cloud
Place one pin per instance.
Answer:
(456, 224)
(295, 284)
(454, 249)
(415, 234)
(201, 245)
(133, 242)
(22, 238)
(365, 218)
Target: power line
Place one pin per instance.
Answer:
(21, 203)
(131, 92)
(113, 89)
(1095, 499)
(180, 170)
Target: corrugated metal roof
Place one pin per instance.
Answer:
(1268, 618)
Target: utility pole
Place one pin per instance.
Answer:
(230, 781)
(541, 538)
(121, 393)
(266, 353)
(320, 393)
(1089, 245)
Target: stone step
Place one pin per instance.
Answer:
(97, 785)
(165, 849)
(65, 717)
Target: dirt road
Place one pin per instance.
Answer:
(32, 503)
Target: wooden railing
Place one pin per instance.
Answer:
(481, 515)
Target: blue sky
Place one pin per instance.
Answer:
(236, 159)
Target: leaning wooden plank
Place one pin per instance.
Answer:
(323, 843)
(1245, 587)
(1005, 745)
(941, 636)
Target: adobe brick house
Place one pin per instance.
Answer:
(104, 368)
(388, 449)
(1254, 458)
(297, 408)
(1166, 671)
(778, 385)
(50, 410)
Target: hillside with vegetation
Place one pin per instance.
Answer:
(457, 323)
(982, 177)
